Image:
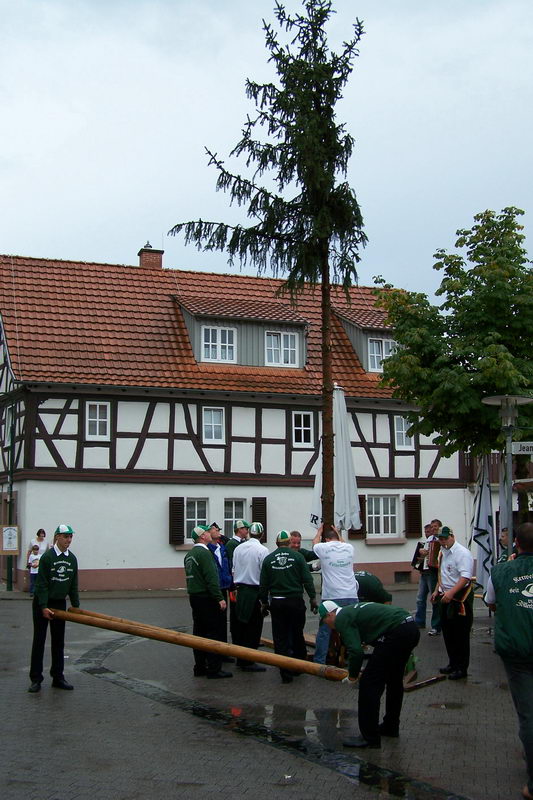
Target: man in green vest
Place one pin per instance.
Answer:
(394, 634)
(207, 601)
(57, 579)
(284, 576)
(510, 594)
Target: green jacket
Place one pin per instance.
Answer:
(513, 585)
(201, 572)
(57, 578)
(285, 574)
(371, 588)
(365, 622)
(230, 547)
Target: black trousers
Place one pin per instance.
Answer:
(456, 632)
(206, 622)
(57, 636)
(384, 671)
(288, 622)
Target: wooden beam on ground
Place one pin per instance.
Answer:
(410, 687)
(107, 622)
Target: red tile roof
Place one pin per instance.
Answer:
(116, 325)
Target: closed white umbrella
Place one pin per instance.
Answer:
(346, 514)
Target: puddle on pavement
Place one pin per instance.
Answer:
(312, 734)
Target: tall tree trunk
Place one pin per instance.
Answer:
(328, 486)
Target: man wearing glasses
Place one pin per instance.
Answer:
(57, 578)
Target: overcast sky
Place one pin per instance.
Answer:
(107, 105)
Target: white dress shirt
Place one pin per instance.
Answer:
(456, 562)
(247, 560)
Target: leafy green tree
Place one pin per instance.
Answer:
(308, 228)
(477, 343)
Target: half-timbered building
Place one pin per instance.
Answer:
(138, 401)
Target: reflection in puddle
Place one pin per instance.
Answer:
(312, 734)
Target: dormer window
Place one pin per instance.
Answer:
(219, 344)
(281, 349)
(378, 351)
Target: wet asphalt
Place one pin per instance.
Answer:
(139, 725)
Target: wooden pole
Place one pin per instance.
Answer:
(199, 643)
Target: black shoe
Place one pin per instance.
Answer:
(199, 673)
(392, 733)
(446, 670)
(286, 678)
(457, 674)
(61, 683)
(359, 741)
(253, 668)
(219, 674)
(34, 688)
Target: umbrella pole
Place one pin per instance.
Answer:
(200, 643)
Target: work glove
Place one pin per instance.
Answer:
(264, 609)
(314, 606)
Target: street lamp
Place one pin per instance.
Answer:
(508, 412)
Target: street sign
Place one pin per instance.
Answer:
(523, 448)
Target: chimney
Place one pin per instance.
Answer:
(150, 258)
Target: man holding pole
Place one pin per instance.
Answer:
(57, 578)
(207, 602)
(394, 634)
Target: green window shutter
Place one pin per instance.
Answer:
(176, 520)
(413, 516)
(259, 514)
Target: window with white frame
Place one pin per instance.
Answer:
(382, 515)
(281, 349)
(403, 441)
(195, 513)
(302, 429)
(233, 510)
(219, 344)
(213, 425)
(378, 351)
(97, 421)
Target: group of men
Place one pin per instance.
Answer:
(253, 582)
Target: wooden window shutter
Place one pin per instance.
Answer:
(413, 516)
(361, 533)
(176, 520)
(259, 514)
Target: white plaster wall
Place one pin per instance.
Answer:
(186, 457)
(161, 419)
(121, 525)
(365, 421)
(42, 455)
(362, 462)
(300, 459)
(448, 467)
(273, 420)
(124, 451)
(70, 425)
(67, 451)
(242, 457)
(243, 421)
(153, 455)
(179, 420)
(96, 458)
(216, 458)
(130, 417)
(273, 459)
(381, 457)
(404, 466)
(382, 428)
